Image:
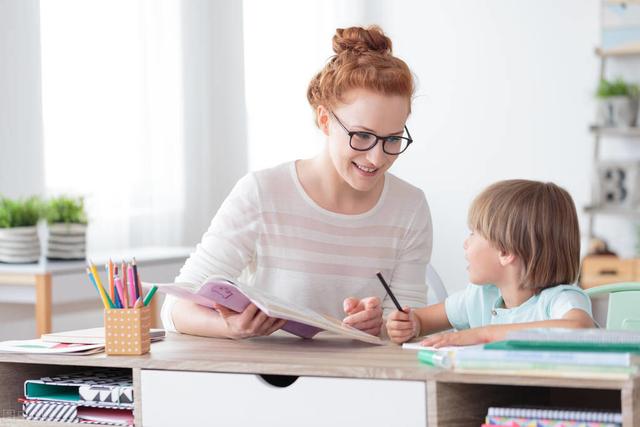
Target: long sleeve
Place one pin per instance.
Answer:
(227, 247)
(408, 281)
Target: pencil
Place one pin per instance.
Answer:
(152, 291)
(136, 278)
(112, 291)
(388, 289)
(103, 295)
(96, 277)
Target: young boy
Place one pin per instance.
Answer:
(523, 255)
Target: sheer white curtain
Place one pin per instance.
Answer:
(112, 112)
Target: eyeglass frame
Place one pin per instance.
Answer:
(378, 138)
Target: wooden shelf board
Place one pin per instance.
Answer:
(612, 211)
(611, 53)
(616, 131)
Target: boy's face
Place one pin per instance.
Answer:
(483, 258)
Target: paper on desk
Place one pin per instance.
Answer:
(37, 346)
(417, 346)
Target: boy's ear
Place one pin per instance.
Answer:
(506, 258)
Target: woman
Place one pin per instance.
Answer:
(316, 231)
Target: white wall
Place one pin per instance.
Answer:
(21, 161)
(505, 91)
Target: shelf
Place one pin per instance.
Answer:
(631, 132)
(612, 211)
(620, 52)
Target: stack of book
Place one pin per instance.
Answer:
(544, 417)
(97, 396)
(81, 342)
(588, 353)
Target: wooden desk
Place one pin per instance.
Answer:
(215, 376)
(42, 274)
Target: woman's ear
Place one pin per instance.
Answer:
(323, 117)
(506, 258)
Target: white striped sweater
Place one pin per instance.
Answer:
(269, 233)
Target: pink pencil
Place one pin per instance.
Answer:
(132, 285)
(120, 289)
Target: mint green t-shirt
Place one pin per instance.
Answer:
(481, 305)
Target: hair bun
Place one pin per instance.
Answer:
(360, 40)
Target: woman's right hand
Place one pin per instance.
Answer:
(403, 325)
(250, 323)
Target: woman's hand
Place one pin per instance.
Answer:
(250, 323)
(403, 325)
(467, 337)
(364, 314)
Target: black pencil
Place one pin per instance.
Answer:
(388, 289)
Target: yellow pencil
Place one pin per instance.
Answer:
(103, 294)
(98, 288)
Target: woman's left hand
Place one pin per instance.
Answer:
(465, 337)
(364, 314)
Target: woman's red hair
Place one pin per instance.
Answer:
(363, 60)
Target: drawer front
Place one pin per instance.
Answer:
(602, 270)
(171, 398)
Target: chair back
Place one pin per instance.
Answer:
(623, 312)
(437, 291)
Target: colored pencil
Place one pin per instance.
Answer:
(136, 278)
(150, 294)
(96, 277)
(103, 295)
(132, 286)
(123, 294)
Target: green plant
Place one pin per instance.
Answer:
(618, 87)
(20, 213)
(66, 210)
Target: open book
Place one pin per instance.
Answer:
(302, 321)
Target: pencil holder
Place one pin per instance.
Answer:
(127, 331)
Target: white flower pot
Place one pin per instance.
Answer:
(19, 245)
(67, 241)
(617, 111)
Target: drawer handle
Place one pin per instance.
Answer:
(281, 381)
(608, 272)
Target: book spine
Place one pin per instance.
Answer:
(541, 422)
(565, 357)
(558, 414)
(509, 365)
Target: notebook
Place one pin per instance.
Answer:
(90, 336)
(302, 321)
(570, 340)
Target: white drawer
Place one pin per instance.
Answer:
(172, 398)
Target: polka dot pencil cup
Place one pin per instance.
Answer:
(127, 330)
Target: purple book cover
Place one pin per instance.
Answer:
(231, 297)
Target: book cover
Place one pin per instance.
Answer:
(108, 387)
(302, 321)
(549, 357)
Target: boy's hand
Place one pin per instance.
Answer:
(403, 325)
(466, 337)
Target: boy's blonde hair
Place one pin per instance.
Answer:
(535, 221)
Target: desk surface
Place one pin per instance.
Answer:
(284, 354)
(145, 255)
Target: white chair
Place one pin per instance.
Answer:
(437, 292)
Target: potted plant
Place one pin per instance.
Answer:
(19, 241)
(67, 226)
(617, 103)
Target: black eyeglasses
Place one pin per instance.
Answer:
(364, 141)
